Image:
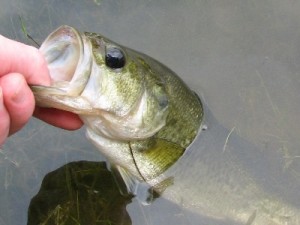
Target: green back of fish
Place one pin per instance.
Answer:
(185, 114)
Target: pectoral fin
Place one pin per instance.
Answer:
(130, 185)
(124, 179)
(156, 159)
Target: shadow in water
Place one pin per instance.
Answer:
(79, 193)
(85, 193)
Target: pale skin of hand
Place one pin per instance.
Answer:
(20, 66)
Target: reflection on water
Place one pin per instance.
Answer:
(79, 193)
(242, 57)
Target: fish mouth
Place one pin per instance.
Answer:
(67, 53)
(62, 50)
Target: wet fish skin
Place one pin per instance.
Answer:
(141, 116)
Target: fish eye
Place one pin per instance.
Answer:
(114, 58)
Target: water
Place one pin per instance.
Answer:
(242, 57)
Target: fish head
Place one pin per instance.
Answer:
(112, 88)
(138, 112)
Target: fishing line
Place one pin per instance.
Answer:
(134, 162)
(150, 190)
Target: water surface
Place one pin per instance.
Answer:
(241, 57)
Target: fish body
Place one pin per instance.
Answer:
(135, 109)
(146, 121)
(227, 180)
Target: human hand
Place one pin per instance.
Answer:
(21, 65)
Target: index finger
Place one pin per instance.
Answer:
(23, 59)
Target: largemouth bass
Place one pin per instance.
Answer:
(139, 114)
(146, 121)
